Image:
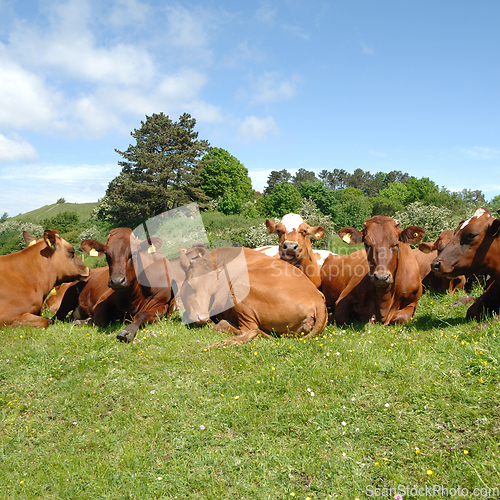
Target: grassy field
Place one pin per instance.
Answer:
(351, 414)
(82, 209)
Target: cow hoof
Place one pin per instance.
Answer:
(125, 336)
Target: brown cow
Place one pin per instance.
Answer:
(295, 246)
(134, 286)
(30, 274)
(248, 294)
(381, 283)
(425, 254)
(475, 250)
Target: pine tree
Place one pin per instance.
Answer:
(160, 172)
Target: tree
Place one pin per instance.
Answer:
(396, 191)
(284, 199)
(303, 175)
(160, 172)
(224, 174)
(334, 180)
(276, 177)
(4, 217)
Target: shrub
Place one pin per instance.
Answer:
(433, 219)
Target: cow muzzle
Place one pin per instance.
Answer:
(118, 283)
(199, 319)
(290, 251)
(382, 279)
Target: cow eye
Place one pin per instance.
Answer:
(470, 237)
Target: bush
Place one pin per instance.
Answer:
(62, 222)
(433, 219)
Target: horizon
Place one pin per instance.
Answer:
(391, 86)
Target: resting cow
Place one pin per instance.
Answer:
(29, 275)
(134, 286)
(475, 250)
(381, 283)
(425, 254)
(247, 293)
(294, 246)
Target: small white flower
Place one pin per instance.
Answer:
(308, 390)
(344, 423)
(160, 478)
(312, 394)
(153, 391)
(387, 405)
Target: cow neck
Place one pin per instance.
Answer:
(385, 296)
(230, 284)
(309, 265)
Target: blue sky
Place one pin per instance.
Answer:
(387, 85)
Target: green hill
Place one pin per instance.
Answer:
(83, 211)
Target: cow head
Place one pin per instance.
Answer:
(67, 266)
(382, 238)
(121, 248)
(469, 251)
(292, 234)
(438, 245)
(198, 288)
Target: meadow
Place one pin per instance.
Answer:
(364, 411)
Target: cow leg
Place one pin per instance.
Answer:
(29, 319)
(487, 303)
(128, 333)
(403, 315)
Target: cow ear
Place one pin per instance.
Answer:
(412, 235)
(151, 245)
(317, 232)
(495, 228)
(50, 238)
(351, 235)
(28, 238)
(271, 226)
(183, 259)
(92, 247)
(427, 247)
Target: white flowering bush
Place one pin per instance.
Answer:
(15, 226)
(90, 233)
(433, 219)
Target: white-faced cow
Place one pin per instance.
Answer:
(294, 246)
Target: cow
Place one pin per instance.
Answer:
(294, 246)
(249, 294)
(29, 275)
(135, 285)
(475, 250)
(378, 284)
(425, 254)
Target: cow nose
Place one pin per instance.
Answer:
(117, 282)
(382, 277)
(435, 265)
(290, 246)
(202, 319)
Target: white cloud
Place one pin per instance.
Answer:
(187, 29)
(271, 87)
(12, 150)
(253, 128)
(266, 14)
(25, 99)
(481, 153)
(129, 12)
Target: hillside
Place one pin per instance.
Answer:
(82, 209)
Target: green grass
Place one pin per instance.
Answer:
(86, 417)
(83, 211)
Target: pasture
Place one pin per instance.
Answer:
(358, 412)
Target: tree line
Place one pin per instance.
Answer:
(168, 165)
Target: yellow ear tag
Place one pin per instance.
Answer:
(32, 243)
(49, 243)
(317, 235)
(347, 238)
(152, 249)
(53, 291)
(415, 235)
(93, 252)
